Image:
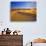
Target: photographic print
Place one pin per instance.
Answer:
(23, 11)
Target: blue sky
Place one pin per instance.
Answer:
(23, 4)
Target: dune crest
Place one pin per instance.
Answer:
(39, 40)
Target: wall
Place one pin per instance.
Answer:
(30, 30)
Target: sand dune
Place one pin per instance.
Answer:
(23, 14)
(39, 40)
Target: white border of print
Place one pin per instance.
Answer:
(23, 0)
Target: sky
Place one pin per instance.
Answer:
(23, 4)
(31, 30)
